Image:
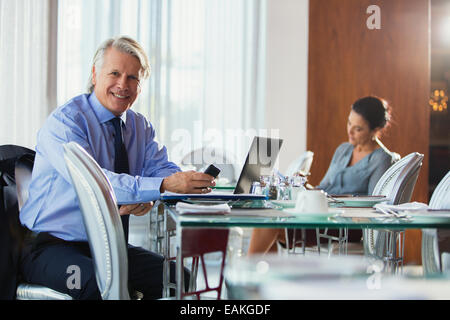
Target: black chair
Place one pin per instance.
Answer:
(11, 231)
(16, 165)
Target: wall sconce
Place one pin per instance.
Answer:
(438, 100)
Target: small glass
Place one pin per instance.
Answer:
(264, 183)
(274, 188)
(298, 181)
(296, 185)
(285, 189)
(256, 188)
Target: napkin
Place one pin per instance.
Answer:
(183, 207)
(409, 206)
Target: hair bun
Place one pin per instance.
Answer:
(376, 111)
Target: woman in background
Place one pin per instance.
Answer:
(355, 168)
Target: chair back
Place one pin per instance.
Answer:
(11, 231)
(102, 222)
(398, 182)
(395, 157)
(436, 241)
(441, 195)
(196, 244)
(301, 164)
(23, 170)
(201, 158)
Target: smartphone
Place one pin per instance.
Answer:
(212, 170)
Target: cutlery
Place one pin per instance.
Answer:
(391, 212)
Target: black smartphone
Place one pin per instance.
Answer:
(212, 170)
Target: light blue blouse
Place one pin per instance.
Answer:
(359, 179)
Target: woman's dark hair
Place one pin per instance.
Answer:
(374, 110)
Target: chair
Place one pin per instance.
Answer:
(196, 243)
(436, 241)
(397, 184)
(28, 291)
(16, 166)
(102, 222)
(342, 238)
(12, 233)
(301, 165)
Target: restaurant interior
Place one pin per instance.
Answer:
(226, 75)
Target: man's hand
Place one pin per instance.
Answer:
(136, 209)
(188, 182)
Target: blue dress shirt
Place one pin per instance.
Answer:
(359, 179)
(52, 205)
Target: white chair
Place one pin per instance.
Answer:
(397, 184)
(302, 164)
(102, 222)
(342, 237)
(433, 239)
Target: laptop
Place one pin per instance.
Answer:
(260, 160)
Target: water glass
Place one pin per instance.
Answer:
(256, 188)
(265, 183)
(285, 190)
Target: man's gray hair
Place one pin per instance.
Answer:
(123, 44)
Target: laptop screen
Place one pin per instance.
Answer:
(260, 160)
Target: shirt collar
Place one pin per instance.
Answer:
(103, 114)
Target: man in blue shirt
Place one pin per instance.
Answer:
(52, 211)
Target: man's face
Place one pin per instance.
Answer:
(116, 84)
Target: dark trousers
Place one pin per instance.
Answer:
(46, 261)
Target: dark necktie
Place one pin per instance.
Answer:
(120, 163)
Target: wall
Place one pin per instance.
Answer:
(348, 61)
(286, 75)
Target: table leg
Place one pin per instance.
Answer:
(166, 268)
(179, 266)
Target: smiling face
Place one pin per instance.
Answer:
(117, 83)
(358, 130)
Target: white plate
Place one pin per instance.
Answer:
(360, 201)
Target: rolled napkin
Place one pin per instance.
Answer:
(408, 206)
(183, 207)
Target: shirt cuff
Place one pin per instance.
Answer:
(147, 189)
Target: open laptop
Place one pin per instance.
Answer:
(260, 160)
